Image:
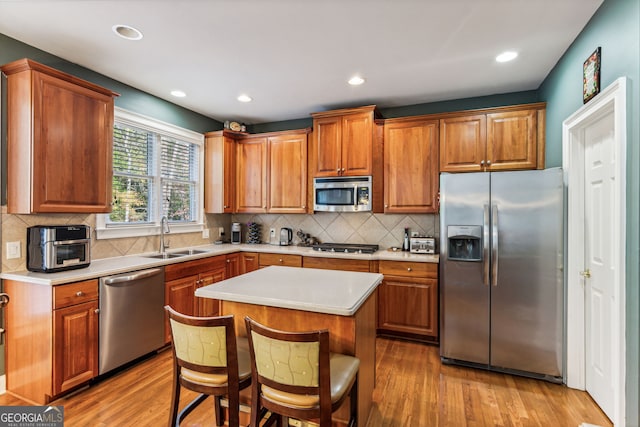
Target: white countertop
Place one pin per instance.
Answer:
(124, 264)
(307, 289)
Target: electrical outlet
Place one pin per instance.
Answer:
(13, 250)
(220, 231)
(205, 233)
(414, 234)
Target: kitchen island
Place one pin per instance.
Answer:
(302, 299)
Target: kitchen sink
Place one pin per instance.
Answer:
(166, 255)
(189, 252)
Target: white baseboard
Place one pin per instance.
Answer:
(3, 384)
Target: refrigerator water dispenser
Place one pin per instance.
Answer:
(464, 242)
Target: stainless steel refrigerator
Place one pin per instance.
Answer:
(501, 271)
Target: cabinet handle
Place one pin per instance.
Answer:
(79, 294)
(228, 260)
(482, 163)
(280, 260)
(226, 206)
(96, 311)
(408, 268)
(342, 170)
(338, 171)
(386, 206)
(488, 162)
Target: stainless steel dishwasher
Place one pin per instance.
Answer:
(131, 317)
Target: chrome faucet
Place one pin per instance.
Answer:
(164, 228)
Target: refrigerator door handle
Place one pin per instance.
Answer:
(485, 246)
(494, 245)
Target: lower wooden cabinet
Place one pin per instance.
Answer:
(249, 261)
(408, 300)
(182, 280)
(51, 338)
(75, 340)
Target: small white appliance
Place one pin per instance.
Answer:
(236, 232)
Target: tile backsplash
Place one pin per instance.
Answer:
(383, 229)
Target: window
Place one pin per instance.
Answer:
(156, 173)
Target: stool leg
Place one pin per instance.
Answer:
(175, 399)
(353, 421)
(219, 412)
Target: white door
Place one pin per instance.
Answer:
(600, 243)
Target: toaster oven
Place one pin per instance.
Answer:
(422, 245)
(52, 248)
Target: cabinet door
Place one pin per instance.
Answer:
(72, 135)
(463, 143)
(219, 173)
(411, 178)
(75, 345)
(251, 176)
(327, 133)
(179, 294)
(233, 265)
(288, 174)
(249, 261)
(511, 140)
(357, 144)
(209, 306)
(409, 306)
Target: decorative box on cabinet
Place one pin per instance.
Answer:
(52, 338)
(59, 141)
(411, 175)
(408, 300)
(506, 138)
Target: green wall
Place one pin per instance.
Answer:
(616, 29)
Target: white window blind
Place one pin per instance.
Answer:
(156, 173)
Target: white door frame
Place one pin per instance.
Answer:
(611, 101)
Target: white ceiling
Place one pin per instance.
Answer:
(295, 56)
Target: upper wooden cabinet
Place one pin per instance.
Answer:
(508, 138)
(59, 141)
(411, 178)
(343, 142)
(271, 173)
(219, 171)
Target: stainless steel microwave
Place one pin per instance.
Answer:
(342, 194)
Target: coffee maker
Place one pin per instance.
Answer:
(236, 232)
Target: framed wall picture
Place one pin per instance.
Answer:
(591, 76)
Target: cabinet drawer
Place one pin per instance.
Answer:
(197, 266)
(336, 264)
(409, 269)
(75, 293)
(280, 259)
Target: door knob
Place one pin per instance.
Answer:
(586, 273)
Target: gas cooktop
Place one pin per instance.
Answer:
(345, 248)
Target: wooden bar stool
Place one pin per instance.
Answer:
(208, 360)
(294, 375)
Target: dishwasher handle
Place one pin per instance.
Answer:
(113, 280)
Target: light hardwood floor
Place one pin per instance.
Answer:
(413, 389)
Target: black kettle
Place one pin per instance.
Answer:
(286, 236)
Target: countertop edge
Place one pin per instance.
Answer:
(127, 263)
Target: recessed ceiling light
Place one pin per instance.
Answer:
(356, 80)
(507, 56)
(178, 93)
(244, 98)
(127, 32)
